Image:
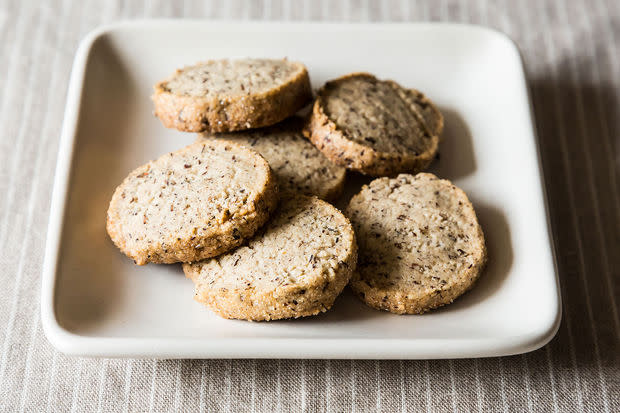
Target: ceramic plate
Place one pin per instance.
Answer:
(96, 302)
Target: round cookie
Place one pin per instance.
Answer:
(420, 244)
(229, 95)
(372, 126)
(195, 203)
(430, 113)
(296, 266)
(298, 165)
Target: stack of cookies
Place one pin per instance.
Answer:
(245, 208)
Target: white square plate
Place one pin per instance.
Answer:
(96, 302)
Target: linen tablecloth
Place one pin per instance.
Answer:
(572, 58)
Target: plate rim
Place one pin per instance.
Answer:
(284, 348)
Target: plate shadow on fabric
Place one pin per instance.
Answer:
(577, 125)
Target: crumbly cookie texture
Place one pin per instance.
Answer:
(195, 203)
(298, 165)
(229, 95)
(296, 266)
(420, 244)
(372, 126)
(430, 112)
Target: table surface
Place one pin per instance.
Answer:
(571, 52)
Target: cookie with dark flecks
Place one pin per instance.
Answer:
(195, 203)
(430, 112)
(298, 165)
(228, 95)
(420, 243)
(295, 266)
(375, 127)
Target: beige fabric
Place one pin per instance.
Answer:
(572, 56)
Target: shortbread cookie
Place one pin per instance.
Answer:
(296, 266)
(429, 111)
(420, 244)
(372, 126)
(230, 95)
(195, 203)
(298, 165)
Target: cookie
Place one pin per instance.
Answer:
(430, 112)
(295, 267)
(298, 165)
(195, 203)
(229, 95)
(372, 126)
(420, 244)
